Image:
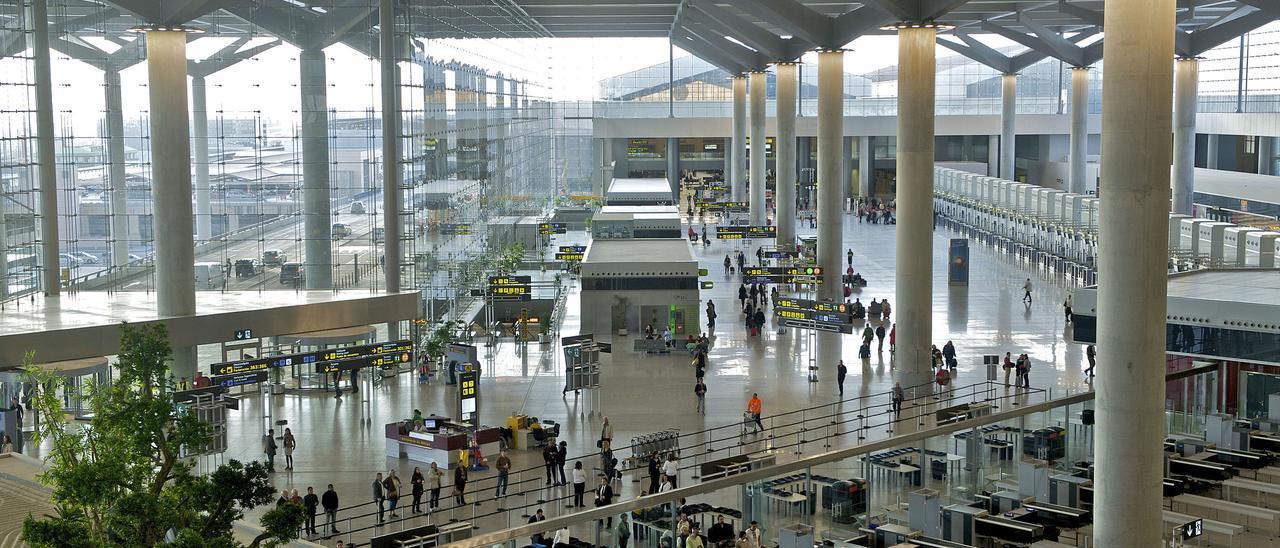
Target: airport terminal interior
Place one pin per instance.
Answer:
(655, 273)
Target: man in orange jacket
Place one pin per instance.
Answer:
(753, 407)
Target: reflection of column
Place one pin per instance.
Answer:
(1008, 112)
(1211, 152)
(846, 170)
(736, 174)
(200, 157)
(673, 168)
(915, 202)
(1266, 153)
(756, 80)
(317, 204)
(500, 136)
(1080, 130)
(390, 147)
(830, 233)
(1132, 292)
(864, 166)
(119, 193)
(1186, 80)
(44, 149)
(171, 183)
(784, 165)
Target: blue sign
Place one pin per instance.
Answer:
(958, 262)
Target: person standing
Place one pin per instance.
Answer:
(753, 407)
(700, 392)
(504, 471)
(671, 468)
(1026, 371)
(434, 476)
(416, 482)
(289, 444)
(893, 338)
(1026, 291)
(460, 485)
(562, 453)
(579, 485)
(549, 462)
(1091, 354)
(899, 395)
(606, 435)
(753, 535)
(379, 496)
(604, 493)
(727, 265)
(1008, 366)
(655, 470)
(711, 316)
(841, 372)
(1066, 308)
(269, 447)
(309, 503)
(538, 539)
(329, 501)
(848, 255)
(392, 488)
(742, 296)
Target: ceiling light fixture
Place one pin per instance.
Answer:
(918, 25)
(142, 29)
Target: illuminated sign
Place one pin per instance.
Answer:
(847, 329)
(510, 288)
(740, 232)
(239, 379)
(802, 270)
(551, 228)
(455, 229)
(732, 207)
(351, 357)
(569, 257)
(707, 285)
(573, 249)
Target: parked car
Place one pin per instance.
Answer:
(379, 235)
(67, 260)
(341, 230)
(209, 275)
(357, 207)
(291, 273)
(248, 268)
(85, 258)
(273, 257)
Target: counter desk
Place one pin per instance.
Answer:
(441, 445)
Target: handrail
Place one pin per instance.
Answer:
(800, 465)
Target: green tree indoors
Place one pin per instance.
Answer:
(122, 479)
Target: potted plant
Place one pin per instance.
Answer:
(440, 339)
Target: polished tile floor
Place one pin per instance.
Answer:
(341, 441)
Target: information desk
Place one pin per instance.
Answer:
(440, 446)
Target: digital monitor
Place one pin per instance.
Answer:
(430, 424)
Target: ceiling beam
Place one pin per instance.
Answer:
(858, 22)
(979, 52)
(751, 60)
(686, 41)
(749, 33)
(218, 62)
(793, 17)
(1206, 39)
(1061, 48)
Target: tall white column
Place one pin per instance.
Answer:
(1186, 81)
(171, 184)
(1077, 182)
(736, 174)
(390, 146)
(1266, 155)
(758, 156)
(317, 203)
(200, 157)
(830, 220)
(1133, 278)
(914, 274)
(864, 166)
(1008, 115)
(846, 170)
(673, 168)
(45, 154)
(119, 193)
(784, 164)
(1211, 152)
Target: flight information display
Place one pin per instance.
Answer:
(351, 357)
(810, 314)
(455, 229)
(551, 228)
(731, 207)
(571, 253)
(740, 232)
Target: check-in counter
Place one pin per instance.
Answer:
(440, 445)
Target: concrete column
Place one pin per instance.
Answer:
(1077, 182)
(784, 165)
(501, 119)
(171, 184)
(119, 193)
(830, 220)
(846, 170)
(1186, 81)
(621, 163)
(390, 146)
(993, 155)
(1211, 151)
(200, 158)
(865, 154)
(736, 174)
(1008, 114)
(45, 154)
(673, 168)
(914, 286)
(317, 204)
(1133, 278)
(758, 157)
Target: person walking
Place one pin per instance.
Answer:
(848, 255)
(504, 472)
(1026, 290)
(1066, 308)
(700, 392)
(899, 395)
(1091, 354)
(269, 447)
(329, 501)
(949, 354)
(379, 496)
(416, 483)
(562, 453)
(841, 372)
(880, 338)
(868, 334)
(753, 407)
(289, 444)
(711, 316)
(434, 475)
(742, 296)
(727, 265)
(310, 503)
(460, 485)
(579, 485)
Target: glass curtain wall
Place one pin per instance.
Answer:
(19, 275)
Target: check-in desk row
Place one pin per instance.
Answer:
(440, 445)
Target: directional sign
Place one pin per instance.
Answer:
(243, 334)
(239, 379)
(740, 232)
(732, 207)
(783, 279)
(352, 357)
(818, 326)
(801, 270)
(455, 229)
(569, 257)
(1193, 529)
(551, 228)
(779, 254)
(573, 249)
(510, 288)
(707, 285)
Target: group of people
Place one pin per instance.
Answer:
(874, 211)
(755, 300)
(311, 504)
(1020, 367)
